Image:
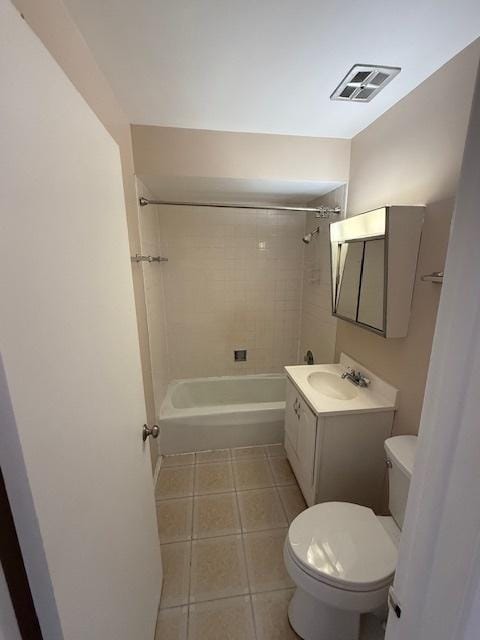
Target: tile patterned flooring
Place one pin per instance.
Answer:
(223, 518)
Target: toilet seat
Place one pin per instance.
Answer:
(343, 545)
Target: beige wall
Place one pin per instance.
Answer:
(168, 151)
(412, 155)
(318, 326)
(233, 281)
(52, 23)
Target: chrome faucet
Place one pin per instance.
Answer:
(356, 377)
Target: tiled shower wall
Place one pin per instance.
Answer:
(318, 326)
(233, 281)
(153, 273)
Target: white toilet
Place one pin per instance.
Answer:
(342, 557)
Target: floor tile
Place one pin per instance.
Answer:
(248, 453)
(252, 474)
(271, 618)
(282, 471)
(216, 515)
(276, 451)
(266, 568)
(292, 500)
(260, 509)
(176, 569)
(218, 569)
(172, 624)
(174, 482)
(214, 477)
(227, 619)
(178, 460)
(175, 519)
(217, 455)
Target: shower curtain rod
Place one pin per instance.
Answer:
(323, 211)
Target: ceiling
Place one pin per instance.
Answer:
(235, 190)
(266, 66)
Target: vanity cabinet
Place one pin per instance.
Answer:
(336, 457)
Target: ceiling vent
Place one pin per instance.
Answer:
(363, 82)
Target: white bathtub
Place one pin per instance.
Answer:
(217, 413)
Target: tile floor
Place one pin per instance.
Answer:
(223, 517)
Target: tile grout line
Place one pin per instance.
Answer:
(225, 535)
(242, 535)
(229, 597)
(277, 492)
(231, 457)
(223, 492)
(191, 557)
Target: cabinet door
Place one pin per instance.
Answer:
(291, 417)
(307, 431)
(350, 269)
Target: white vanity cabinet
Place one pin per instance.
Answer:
(337, 456)
(300, 437)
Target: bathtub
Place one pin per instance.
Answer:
(218, 413)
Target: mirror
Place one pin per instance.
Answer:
(360, 282)
(372, 293)
(348, 279)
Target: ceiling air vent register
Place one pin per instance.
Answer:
(363, 82)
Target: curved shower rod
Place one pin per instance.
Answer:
(320, 211)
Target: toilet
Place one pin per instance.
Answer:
(342, 557)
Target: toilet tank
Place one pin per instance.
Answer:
(400, 452)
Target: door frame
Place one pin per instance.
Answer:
(15, 573)
(24, 516)
(437, 582)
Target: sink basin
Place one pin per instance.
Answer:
(332, 385)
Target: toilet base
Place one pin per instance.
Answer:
(313, 620)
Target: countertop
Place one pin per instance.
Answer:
(378, 396)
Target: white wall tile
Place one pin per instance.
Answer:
(318, 326)
(233, 281)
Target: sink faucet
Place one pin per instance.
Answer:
(356, 377)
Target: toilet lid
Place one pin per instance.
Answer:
(344, 545)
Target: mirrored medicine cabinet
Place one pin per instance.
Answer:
(373, 264)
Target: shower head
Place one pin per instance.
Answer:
(309, 236)
(324, 213)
